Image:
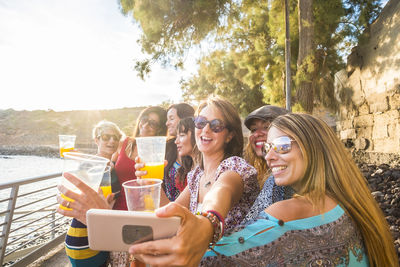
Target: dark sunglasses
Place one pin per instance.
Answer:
(281, 145)
(107, 137)
(152, 123)
(216, 125)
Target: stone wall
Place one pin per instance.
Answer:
(369, 92)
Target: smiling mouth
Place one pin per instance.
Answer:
(277, 169)
(205, 139)
(259, 144)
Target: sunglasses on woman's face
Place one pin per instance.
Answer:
(281, 145)
(216, 125)
(107, 137)
(152, 123)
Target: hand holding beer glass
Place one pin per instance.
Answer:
(88, 168)
(151, 151)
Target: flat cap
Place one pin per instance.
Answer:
(267, 112)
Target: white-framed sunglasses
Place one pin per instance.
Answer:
(281, 145)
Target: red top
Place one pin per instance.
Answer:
(125, 169)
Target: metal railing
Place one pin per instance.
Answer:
(30, 225)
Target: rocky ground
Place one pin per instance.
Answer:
(384, 182)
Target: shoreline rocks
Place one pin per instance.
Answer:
(41, 151)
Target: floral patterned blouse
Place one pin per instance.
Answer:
(250, 189)
(171, 189)
(270, 193)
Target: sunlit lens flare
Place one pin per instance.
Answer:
(280, 145)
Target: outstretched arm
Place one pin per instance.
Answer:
(196, 232)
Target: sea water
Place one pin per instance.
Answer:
(13, 168)
(20, 167)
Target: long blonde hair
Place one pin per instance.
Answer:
(330, 170)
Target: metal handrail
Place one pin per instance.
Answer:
(16, 235)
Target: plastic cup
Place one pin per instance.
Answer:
(151, 151)
(105, 183)
(88, 168)
(67, 143)
(142, 194)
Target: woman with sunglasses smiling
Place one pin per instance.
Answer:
(333, 220)
(258, 122)
(151, 122)
(106, 135)
(223, 186)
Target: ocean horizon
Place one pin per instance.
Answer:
(15, 167)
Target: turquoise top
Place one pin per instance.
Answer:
(328, 239)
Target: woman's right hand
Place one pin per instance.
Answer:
(140, 165)
(87, 199)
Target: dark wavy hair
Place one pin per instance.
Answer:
(162, 116)
(183, 110)
(184, 126)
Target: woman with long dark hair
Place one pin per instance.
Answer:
(187, 150)
(175, 113)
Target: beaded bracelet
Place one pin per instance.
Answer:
(217, 225)
(220, 218)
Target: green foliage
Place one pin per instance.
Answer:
(250, 69)
(220, 74)
(170, 27)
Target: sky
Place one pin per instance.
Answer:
(76, 55)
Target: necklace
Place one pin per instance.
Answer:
(209, 177)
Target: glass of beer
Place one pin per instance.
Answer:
(151, 151)
(142, 194)
(67, 143)
(88, 168)
(105, 184)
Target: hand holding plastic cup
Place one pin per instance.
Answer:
(67, 143)
(88, 168)
(151, 151)
(142, 194)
